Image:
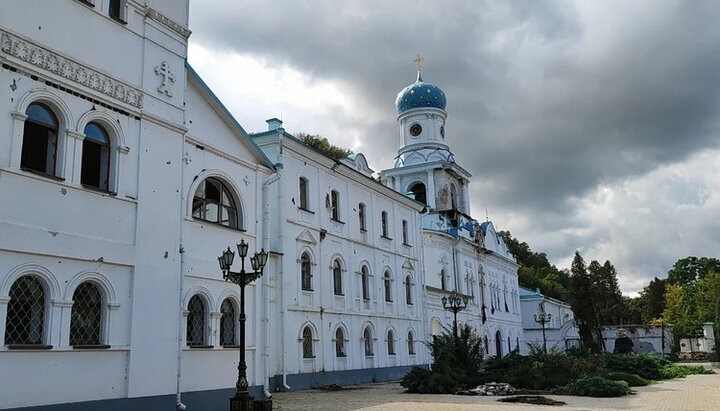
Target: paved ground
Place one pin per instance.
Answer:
(696, 392)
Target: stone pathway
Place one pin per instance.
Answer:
(696, 392)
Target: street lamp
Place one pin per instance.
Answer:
(242, 400)
(542, 318)
(455, 302)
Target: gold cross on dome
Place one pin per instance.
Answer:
(418, 60)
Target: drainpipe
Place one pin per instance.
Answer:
(283, 308)
(178, 404)
(266, 281)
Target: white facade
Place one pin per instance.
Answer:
(561, 333)
(460, 254)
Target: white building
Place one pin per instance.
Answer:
(460, 254)
(124, 177)
(561, 332)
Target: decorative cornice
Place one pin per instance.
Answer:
(45, 59)
(167, 22)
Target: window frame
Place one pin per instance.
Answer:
(385, 229)
(411, 343)
(44, 300)
(55, 169)
(102, 317)
(203, 343)
(308, 349)
(408, 290)
(387, 283)
(304, 194)
(405, 237)
(337, 277)
(121, 16)
(233, 321)
(199, 204)
(335, 206)
(365, 282)
(306, 271)
(368, 348)
(340, 349)
(107, 145)
(391, 342)
(362, 217)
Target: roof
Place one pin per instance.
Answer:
(223, 111)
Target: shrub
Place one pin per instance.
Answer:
(633, 380)
(681, 371)
(538, 370)
(596, 386)
(646, 366)
(420, 380)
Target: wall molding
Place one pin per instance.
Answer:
(168, 22)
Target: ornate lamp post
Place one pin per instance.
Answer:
(455, 303)
(242, 400)
(542, 318)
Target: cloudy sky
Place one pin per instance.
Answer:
(586, 125)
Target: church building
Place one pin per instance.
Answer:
(124, 178)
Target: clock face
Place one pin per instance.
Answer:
(415, 130)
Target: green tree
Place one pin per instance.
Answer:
(323, 146)
(653, 300)
(689, 270)
(681, 313)
(605, 293)
(707, 295)
(581, 300)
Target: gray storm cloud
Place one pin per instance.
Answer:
(548, 101)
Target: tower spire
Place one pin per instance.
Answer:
(418, 61)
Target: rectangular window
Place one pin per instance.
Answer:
(304, 194)
(405, 231)
(116, 10)
(335, 205)
(361, 216)
(384, 222)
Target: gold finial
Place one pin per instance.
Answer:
(418, 60)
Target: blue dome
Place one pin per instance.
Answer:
(420, 94)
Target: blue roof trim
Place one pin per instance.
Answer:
(227, 113)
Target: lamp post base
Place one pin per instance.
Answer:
(242, 401)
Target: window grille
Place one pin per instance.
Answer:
(367, 339)
(196, 322)
(337, 277)
(306, 272)
(388, 287)
(391, 343)
(227, 323)
(339, 343)
(307, 343)
(86, 316)
(411, 343)
(214, 202)
(40, 140)
(25, 312)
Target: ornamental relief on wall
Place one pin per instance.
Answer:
(40, 57)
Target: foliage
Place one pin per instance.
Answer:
(689, 270)
(670, 371)
(538, 371)
(644, 365)
(323, 146)
(605, 293)
(681, 311)
(456, 364)
(707, 295)
(581, 300)
(633, 380)
(597, 386)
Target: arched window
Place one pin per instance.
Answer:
(227, 324)
(362, 217)
(214, 202)
(40, 140)
(436, 327)
(304, 194)
(307, 342)
(391, 342)
(408, 291)
(443, 285)
(367, 340)
(498, 344)
(411, 343)
(418, 190)
(487, 345)
(95, 171)
(339, 343)
(365, 275)
(25, 321)
(384, 223)
(196, 322)
(453, 197)
(405, 232)
(337, 277)
(335, 205)
(306, 272)
(86, 315)
(388, 286)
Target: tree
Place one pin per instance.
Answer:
(653, 297)
(707, 295)
(323, 146)
(581, 300)
(605, 293)
(681, 313)
(689, 270)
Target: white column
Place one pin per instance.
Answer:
(215, 329)
(3, 315)
(17, 138)
(73, 159)
(430, 192)
(65, 316)
(466, 197)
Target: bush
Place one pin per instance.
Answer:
(646, 366)
(596, 386)
(633, 380)
(422, 381)
(538, 370)
(681, 371)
